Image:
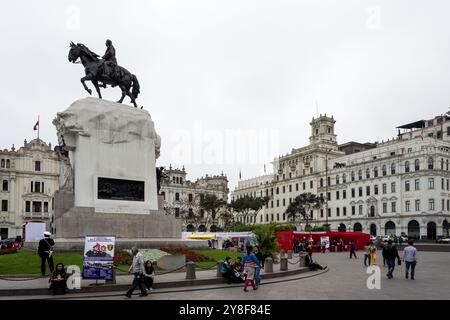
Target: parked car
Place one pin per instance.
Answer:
(385, 238)
(443, 240)
(373, 238)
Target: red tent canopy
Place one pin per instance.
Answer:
(286, 238)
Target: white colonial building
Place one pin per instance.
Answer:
(29, 178)
(393, 187)
(182, 197)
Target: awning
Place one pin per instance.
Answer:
(202, 236)
(413, 125)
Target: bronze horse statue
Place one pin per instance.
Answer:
(97, 71)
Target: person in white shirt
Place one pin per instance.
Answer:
(410, 259)
(138, 269)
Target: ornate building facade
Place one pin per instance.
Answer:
(29, 178)
(182, 197)
(393, 187)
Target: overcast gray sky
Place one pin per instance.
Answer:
(210, 69)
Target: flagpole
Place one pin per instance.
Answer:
(39, 125)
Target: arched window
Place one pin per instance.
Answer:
(360, 175)
(2, 163)
(329, 181)
(352, 176)
(375, 172)
(177, 196)
(393, 168)
(406, 166)
(321, 182)
(383, 170)
(416, 165)
(344, 178)
(372, 211)
(337, 179)
(367, 173)
(430, 163)
(389, 228)
(446, 164)
(5, 185)
(357, 227)
(442, 163)
(8, 163)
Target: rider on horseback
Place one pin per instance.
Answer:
(109, 61)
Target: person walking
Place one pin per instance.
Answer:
(383, 253)
(250, 262)
(45, 252)
(367, 252)
(352, 249)
(390, 253)
(138, 269)
(258, 267)
(410, 258)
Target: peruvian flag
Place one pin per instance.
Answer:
(36, 126)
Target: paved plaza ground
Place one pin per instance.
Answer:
(345, 279)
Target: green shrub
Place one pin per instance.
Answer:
(265, 234)
(286, 227)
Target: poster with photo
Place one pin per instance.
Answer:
(325, 240)
(98, 261)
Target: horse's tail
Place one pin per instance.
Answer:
(135, 84)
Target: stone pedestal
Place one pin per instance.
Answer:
(110, 186)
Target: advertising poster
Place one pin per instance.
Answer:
(326, 241)
(98, 263)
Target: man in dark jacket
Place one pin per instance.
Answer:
(45, 251)
(391, 253)
(352, 249)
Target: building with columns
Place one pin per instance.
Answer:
(182, 197)
(29, 178)
(393, 187)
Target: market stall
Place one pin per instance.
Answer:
(332, 239)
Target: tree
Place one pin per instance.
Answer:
(189, 211)
(227, 218)
(211, 204)
(302, 206)
(248, 206)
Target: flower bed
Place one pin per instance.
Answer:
(8, 250)
(125, 256)
(190, 255)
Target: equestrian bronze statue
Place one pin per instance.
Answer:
(104, 70)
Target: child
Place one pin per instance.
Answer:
(373, 255)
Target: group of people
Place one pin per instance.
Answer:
(144, 274)
(246, 269)
(390, 255)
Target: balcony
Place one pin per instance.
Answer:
(36, 215)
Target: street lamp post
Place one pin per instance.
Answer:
(326, 186)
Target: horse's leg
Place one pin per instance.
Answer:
(131, 97)
(124, 90)
(86, 78)
(97, 87)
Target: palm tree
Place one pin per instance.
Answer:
(301, 208)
